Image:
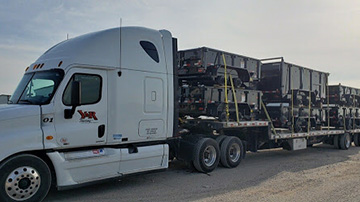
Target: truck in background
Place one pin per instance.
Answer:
(117, 102)
(4, 98)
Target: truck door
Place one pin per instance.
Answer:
(88, 124)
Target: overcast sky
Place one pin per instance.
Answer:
(320, 34)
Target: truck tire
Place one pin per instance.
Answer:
(357, 140)
(220, 80)
(244, 143)
(231, 152)
(220, 139)
(206, 155)
(345, 141)
(24, 178)
(336, 142)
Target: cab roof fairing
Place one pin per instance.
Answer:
(97, 49)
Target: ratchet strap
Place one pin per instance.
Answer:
(268, 117)
(226, 95)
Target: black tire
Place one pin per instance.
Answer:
(336, 142)
(25, 177)
(220, 80)
(345, 141)
(357, 140)
(206, 155)
(244, 143)
(220, 139)
(237, 82)
(231, 152)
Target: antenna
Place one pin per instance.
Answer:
(67, 36)
(120, 43)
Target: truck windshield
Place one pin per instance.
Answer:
(37, 88)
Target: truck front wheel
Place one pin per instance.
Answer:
(206, 155)
(24, 178)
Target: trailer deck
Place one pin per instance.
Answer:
(281, 133)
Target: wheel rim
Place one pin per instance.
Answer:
(347, 141)
(209, 155)
(22, 183)
(234, 152)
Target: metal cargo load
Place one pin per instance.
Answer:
(207, 65)
(205, 88)
(344, 105)
(293, 95)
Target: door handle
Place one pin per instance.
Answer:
(101, 130)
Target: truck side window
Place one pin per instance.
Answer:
(90, 89)
(151, 50)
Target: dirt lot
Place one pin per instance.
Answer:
(320, 173)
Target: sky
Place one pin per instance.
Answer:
(319, 34)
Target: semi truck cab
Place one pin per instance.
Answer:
(93, 107)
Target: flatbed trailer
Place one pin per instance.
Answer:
(280, 134)
(313, 134)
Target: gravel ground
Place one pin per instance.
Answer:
(320, 173)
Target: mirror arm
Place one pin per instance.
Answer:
(75, 99)
(68, 113)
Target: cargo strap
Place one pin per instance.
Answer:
(269, 119)
(344, 116)
(226, 95)
(328, 103)
(235, 100)
(292, 112)
(308, 130)
(354, 113)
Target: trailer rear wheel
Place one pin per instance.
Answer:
(206, 155)
(357, 140)
(345, 141)
(24, 178)
(231, 152)
(244, 143)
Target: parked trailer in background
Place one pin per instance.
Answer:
(106, 104)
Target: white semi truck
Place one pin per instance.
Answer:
(104, 105)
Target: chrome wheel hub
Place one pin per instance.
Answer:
(348, 141)
(22, 183)
(234, 152)
(209, 155)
